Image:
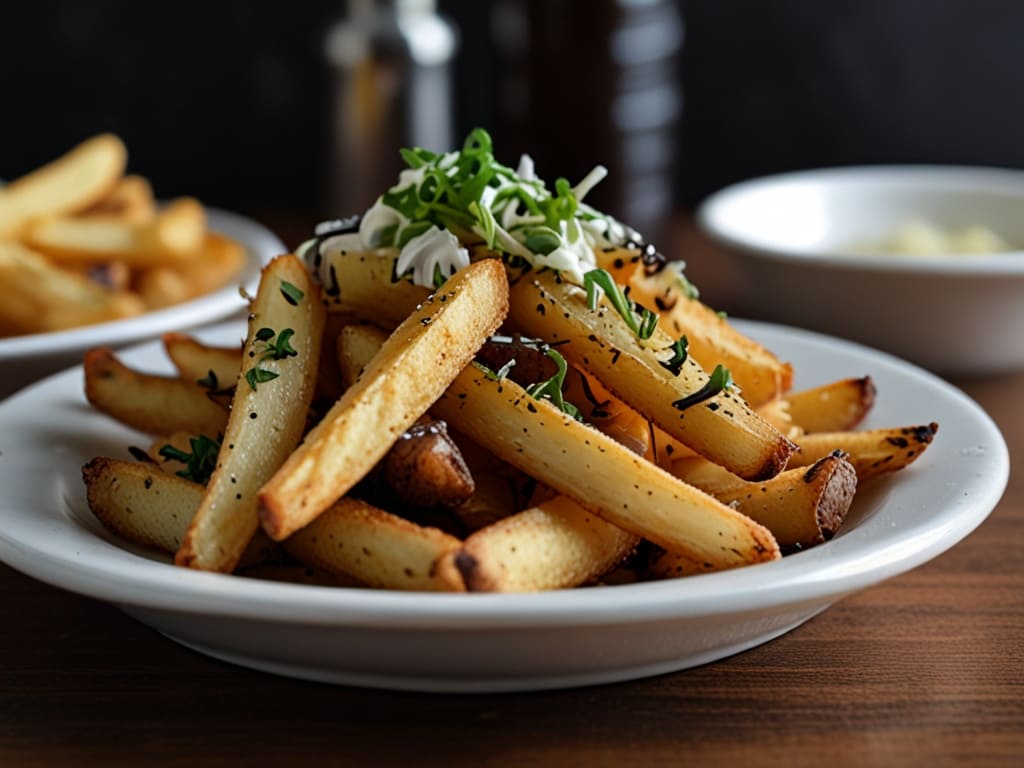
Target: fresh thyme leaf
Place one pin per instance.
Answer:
(679, 354)
(265, 334)
(209, 381)
(599, 279)
(256, 376)
(291, 294)
(720, 380)
(199, 463)
(281, 348)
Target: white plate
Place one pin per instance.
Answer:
(29, 358)
(496, 642)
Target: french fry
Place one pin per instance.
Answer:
(195, 361)
(357, 346)
(162, 287)
(556, 545)
(69, 184)
(353, 538)
(712, 339)
(722, 428)
(39, 297)
(599, 473)
(364, 283)
(415, 365)
(142, 504)
(159, 405)
(173, 237)
(872, 452)
(834, 407)
(131, 200)
(801, 507)
(268, 414)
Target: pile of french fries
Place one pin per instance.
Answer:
(382, 436)
(81, 242)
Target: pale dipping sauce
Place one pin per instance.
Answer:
(919, 237)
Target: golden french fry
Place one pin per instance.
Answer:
(145, 505)
(268, 414)
(174, 237)
(357, 346)
(356, 539)
(64, 186)
(801, 507)
(599, 473)
(412, 369)
(131, 200)
(872, 452)
(712, 339)
(721, 428)
(39, 297)
(162, 287)
(555, 545)
(363, 283)
(834, 407)
(159, 405)
(178, 229)
(195, 361)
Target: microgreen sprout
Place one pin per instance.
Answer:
(599, 280)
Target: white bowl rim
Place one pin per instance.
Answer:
(963, 177)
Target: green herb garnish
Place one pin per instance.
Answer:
(277, 349)
(257, 375)
(291, 294)
(199, 463)
(679, 354)
(209, 381)
(719, 381)
(598, 279)
(551, 389)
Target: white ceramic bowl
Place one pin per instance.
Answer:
(28, 358)
(790, 236)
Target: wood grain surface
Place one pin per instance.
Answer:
(925, 669)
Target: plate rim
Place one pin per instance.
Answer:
(155, 585)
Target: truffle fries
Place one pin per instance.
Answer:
(268, 414)
(714, 422)
(415, 365)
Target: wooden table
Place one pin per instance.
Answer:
(925, 669)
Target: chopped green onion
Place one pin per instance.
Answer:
(679, 354)
(720, 380)
(291, 294)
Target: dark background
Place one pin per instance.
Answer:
(230, 100)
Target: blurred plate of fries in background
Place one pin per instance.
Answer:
(493, 642)
(89, 256)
